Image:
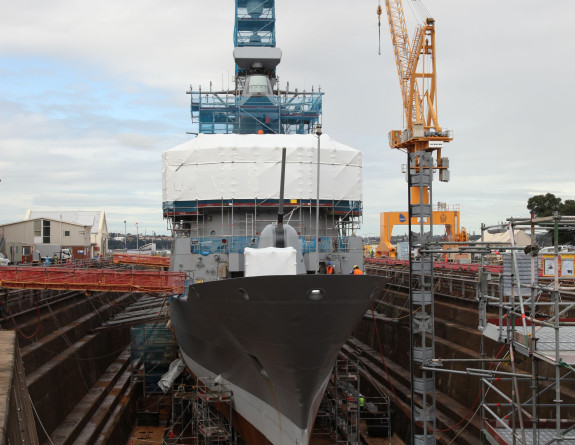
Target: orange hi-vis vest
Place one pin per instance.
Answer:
(329, 270)
(357, 271)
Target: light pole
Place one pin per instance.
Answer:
(137, 238)
(125, 237)
(318, 133)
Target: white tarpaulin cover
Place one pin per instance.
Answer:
(270, 261)
(167, 380)
(235, 166)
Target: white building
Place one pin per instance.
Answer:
(45, 233)
(29, 240)
(95, 220)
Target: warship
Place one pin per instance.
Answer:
(260, 203)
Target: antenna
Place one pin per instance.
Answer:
(280, 226)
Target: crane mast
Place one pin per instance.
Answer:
(421, 136)
(416, 70)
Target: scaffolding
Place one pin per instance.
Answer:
(345, 414)
(376, 416)
(348, 400)
(212, 398)
(155, 346)
(230, 111)
(527, 392)
(227, 112)
(182, 422)
(245, 217)
(532, 403)
(255, 23)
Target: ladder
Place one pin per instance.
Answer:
(249, 224)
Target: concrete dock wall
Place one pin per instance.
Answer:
(16, 414)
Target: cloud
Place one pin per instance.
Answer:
(135, 140)
(92, 93)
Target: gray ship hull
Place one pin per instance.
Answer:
(274, 339)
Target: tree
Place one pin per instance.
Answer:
(567, 208)
(544, 205)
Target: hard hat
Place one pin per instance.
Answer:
(329, 263)
(355, 267)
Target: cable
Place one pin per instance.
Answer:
(67, 341)
(39, 420)
(95, 309)
(479, 407)
(421, 9)
(413, 12)
(393, 389)
(385, 367)
(403, 316)
(18, 329)
(466, 425)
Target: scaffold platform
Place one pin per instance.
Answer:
(503, 436)
(546, 345)
(142, 260)
(96, 280)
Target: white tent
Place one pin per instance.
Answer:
(521, 238)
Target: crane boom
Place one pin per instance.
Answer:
(416, 69)
(400, 40)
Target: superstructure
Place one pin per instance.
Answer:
(221, 189)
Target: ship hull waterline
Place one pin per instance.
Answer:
(274, 339)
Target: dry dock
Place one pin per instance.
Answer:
(86, 387)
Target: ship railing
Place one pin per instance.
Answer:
(326, 244)
(222, 244)
(236, 244)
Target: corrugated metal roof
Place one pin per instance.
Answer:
(84, 218)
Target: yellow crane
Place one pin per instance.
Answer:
(422, 135)
(416, 69)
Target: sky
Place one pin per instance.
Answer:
(91, 94)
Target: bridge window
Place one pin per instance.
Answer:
(258, 85)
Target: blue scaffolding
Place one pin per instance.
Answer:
(279, 112)
(255, 23)
(225, 112)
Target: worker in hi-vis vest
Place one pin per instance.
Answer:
(329, 269)
(357, 270)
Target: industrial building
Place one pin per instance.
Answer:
(44, 233)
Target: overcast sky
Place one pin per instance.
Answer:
(91, 93)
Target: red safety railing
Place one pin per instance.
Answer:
(98, 280)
